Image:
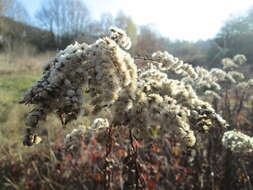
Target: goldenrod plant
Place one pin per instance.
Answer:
(138, 98)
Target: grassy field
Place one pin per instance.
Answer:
(15, 78)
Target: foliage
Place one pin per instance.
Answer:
(236, 35)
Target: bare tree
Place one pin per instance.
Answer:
(63, 17)
(149, 41)
(106, 21)
(11, 31)
(14, 9)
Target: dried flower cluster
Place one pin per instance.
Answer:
(230, 64)
(208, 80)
(59, 90)
(203, 81)
(140, 100)
(120, 37)
(167, 61)
(211, 82)
(73, 141)
(237, 141)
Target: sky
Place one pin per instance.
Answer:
(177, 19)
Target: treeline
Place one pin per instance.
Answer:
(61, 22)
(236, 36)
(15, 34)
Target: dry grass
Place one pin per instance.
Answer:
(24, 64)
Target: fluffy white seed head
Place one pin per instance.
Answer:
(120, 37)
(237, 141)
(99, 123)
(240, 59)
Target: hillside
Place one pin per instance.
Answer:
(13, 33)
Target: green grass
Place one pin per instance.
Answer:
(12, 88)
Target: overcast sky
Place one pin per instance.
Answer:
(177, 19)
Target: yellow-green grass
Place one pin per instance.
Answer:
(12, 87)
(12, 115)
